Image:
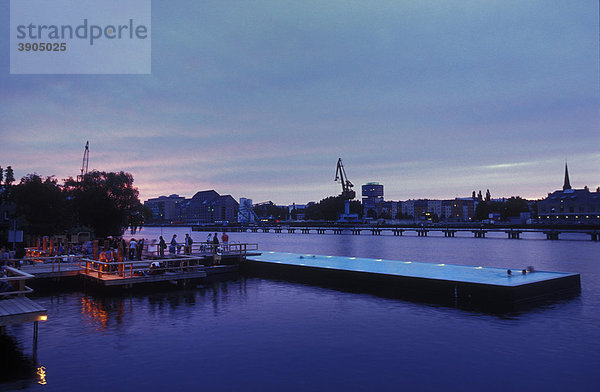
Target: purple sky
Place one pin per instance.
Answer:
(433, 99)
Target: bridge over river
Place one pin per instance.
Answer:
(551, 233)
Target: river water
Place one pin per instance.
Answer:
(256, 334)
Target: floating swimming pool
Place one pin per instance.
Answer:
(473, 282)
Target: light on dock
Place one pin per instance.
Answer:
(407, 262)
(379, 260)
(441, 265)
(480, 267)
(352, 258)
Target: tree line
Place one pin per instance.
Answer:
(101, 202)
(328, 209)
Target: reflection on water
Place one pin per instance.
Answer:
(94, 312)
(114, 312)
(253, 333)
(99, 311)
(41, 373)
(15, 364)
(261, 329)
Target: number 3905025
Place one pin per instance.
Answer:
(42, 47)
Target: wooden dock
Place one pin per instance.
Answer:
(115, 280)
(178, 269)
(53, 270)
(14, 307)
(175, 268)
(20, 310)
(174, 276)
(171, 267)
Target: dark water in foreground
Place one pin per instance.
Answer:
(253, 334)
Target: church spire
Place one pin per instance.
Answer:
(567, 184)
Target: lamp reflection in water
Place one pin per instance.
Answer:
(94, 311)
(99, 312)
(41, 373)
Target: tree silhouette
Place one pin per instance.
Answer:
(106, 201)
(40, 205)
(10, 176)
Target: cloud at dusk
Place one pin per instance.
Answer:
(259, 99)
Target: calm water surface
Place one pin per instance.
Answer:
(255, 334)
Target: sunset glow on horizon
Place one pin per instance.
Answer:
(259, 100)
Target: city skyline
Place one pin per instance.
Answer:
(432, 100)
(360, 195)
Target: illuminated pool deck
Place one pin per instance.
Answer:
(451, 279)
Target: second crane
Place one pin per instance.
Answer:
(347, 192)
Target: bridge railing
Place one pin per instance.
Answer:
(421, 230)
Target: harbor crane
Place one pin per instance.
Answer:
(86, 160)
(347, 192)
(340, 175)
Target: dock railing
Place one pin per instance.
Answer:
(240, 249)
(201, 253)
(54, 261)
(128, 268)
(228, 249)
(205, 249)
(14, 282)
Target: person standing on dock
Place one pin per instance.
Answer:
(132, 249)
(3, 256)
(122, 250)
(140, 249)
(218, 255)
(215, 245)
(173, 245)
(162, 245)
(188, 244)
(225, 239)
